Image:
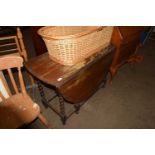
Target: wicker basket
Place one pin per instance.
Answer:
(69, 45)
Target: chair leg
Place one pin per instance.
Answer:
(43, 120)
(31, 79)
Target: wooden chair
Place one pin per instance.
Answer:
(14, 45)
(16, 109)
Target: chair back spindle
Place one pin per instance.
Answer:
(13, 80)
(22, 85)
(22, 45)
(1, 97)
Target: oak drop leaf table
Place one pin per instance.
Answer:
(72, 84)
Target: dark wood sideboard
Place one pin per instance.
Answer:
(127, 40)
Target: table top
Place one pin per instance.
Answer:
(55, 74)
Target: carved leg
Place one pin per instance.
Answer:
(104, 82)
(42, 94)
(77, 108)
(113, 72)
(62, 110)
(135, 59)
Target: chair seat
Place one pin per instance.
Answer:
(17, 111)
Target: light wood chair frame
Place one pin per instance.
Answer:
(7, 63)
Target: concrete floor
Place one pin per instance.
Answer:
(129, 103)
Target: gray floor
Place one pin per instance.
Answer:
(128, 103)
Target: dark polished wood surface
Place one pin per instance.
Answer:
(55, 74)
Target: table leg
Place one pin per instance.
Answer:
(42, 94)
(77, 108)
(104, 82)
(62, 110)
(113, 72)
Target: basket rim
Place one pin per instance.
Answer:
(40, 32)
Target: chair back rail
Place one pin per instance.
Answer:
(13, 44)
